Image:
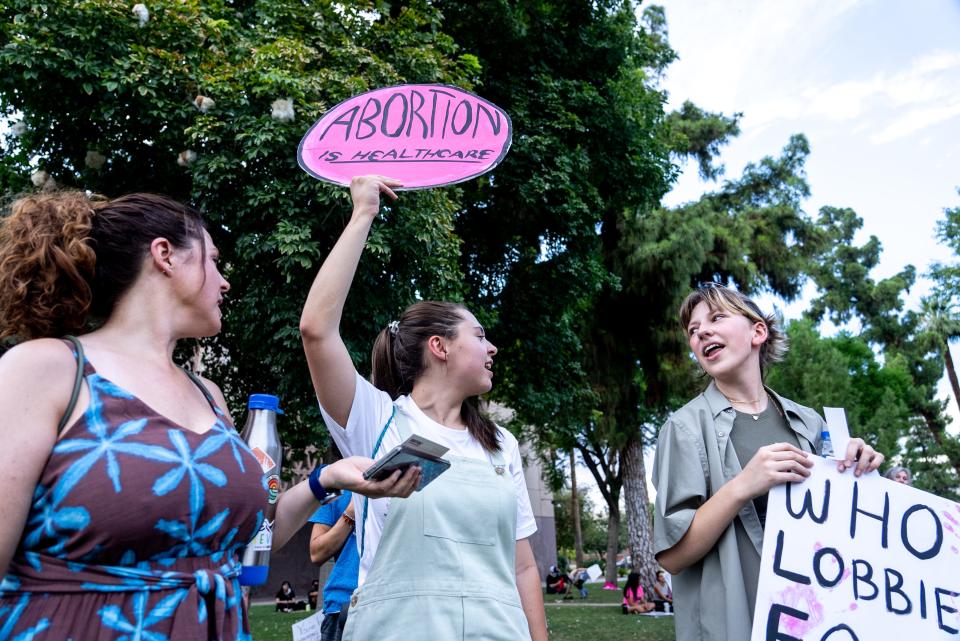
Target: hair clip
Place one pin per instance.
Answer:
(394, 327)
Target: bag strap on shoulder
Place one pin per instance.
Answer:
(77, 383)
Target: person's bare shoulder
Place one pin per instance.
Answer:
(45, 359)
(38, 375)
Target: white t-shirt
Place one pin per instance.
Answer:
(369, 413)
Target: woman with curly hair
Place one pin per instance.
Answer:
(127, 491)
(719, 455)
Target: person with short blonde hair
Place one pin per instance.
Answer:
(719, 455)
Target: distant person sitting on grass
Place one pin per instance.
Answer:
(287, 599)
(558, 583)
(633, 599)
(662, 592)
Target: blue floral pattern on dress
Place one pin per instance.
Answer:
(135, 523)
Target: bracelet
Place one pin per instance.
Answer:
(352, 520)
(314, 480)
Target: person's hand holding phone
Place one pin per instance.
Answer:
(347, 474)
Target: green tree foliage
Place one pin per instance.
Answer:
(844, 371)
(579, 81)
(592, 526)
(564, 252)
(940, 312)
(691, 131)
(903, 337)
(89, 77)
(570, 247)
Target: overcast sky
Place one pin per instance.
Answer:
(873, 84)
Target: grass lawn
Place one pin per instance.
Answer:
(596, 618)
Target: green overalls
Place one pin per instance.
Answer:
(445, 569)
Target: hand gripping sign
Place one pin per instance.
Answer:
(853, 559)
(422, 135)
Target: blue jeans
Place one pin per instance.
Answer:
(332, 627)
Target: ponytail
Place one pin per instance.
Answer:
(46, 266)
(385, 371)
(398, 359)
(65, 258)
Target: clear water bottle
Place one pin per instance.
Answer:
(826, 445)
(260, 433)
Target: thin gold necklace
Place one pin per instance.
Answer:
(737, 400)
(754, 415)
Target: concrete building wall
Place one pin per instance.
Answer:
(544, 540)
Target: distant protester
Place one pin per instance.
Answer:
(900, 475)
(634, 601)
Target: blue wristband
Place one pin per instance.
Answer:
(321, 493)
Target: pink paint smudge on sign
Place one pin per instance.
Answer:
(949, 528)
(422, 135)
(803, 598)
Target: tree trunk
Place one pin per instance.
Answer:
(613, 543)
(607, 470)
(639, 527)
(951, 371)
(575, 510)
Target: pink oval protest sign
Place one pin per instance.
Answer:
(422, 135)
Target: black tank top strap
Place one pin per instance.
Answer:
(203, 388)
(77, 349)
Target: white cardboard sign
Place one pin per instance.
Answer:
(594, 572)
(836, 419)
(848, 559)
(308, 629)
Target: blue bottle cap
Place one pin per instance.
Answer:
(254, 574)
(264, 402)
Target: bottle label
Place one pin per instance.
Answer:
(263, 539)
(266, 463)
(273, 488)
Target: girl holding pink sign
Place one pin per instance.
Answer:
(453, 561)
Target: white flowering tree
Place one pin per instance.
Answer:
(206, 101)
